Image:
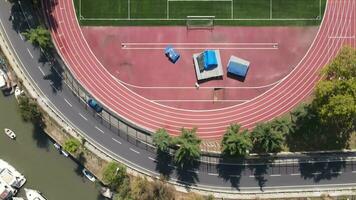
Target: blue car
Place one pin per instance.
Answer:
(172, 55)
(94, 105)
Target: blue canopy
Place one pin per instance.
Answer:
(237, 69)
(210, 61)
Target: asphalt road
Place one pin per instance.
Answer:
(253, 177)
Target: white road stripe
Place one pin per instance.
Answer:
(353, 171)
(83, 116)
(171, 166)
(275, 175)
(68, 102)
(295, 174)
(99, 129)
(29, 52)
(39, 67)
(193, 171)
(252, 176)
(134, 150)
(116, 140)
(213, 174)
(21, 36)
(151, 158)
(316, 173)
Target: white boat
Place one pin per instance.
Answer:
(10, 133)
(66, 154)
(57, 146)
(33, 195)
(11, 176)
(6, 191)
(89, 175)
(2, 79)
(18, 91)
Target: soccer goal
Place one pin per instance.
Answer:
(200, 22)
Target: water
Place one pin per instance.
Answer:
(33, 154)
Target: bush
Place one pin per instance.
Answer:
(71, 145)
(114, 174)
(29, 110)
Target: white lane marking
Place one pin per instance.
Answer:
(193, 171)
(213, 174)
(316, 173)
(295, 174)
(252, 176)
(99, 129)
(235, 176)
(353, 171)
(134, 150)
(29, 52)
(83, 116)
(116, 140)
(39, 67)
(151, 158)
(275, 175)
(21, 36)
(172, 166)
(68, 102)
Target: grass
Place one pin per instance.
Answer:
(174, 12)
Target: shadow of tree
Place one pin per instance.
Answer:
(259, 171)
(231, 172)
(18, 20)
(55, 77)
(187, 174)
(321, 170)
(40, 136)
(164, 164)
(49, 6)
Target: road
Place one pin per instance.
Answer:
(244, 178)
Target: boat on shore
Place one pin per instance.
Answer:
(57, 146)
(6, 191)
(11, 176)
(34, 195)
(89, 175)
(10, 133)
(66, 154)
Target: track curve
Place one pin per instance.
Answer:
(336, 30)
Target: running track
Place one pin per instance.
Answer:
(336, 30)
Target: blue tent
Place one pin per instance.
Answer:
(210, 61)
(237, 69)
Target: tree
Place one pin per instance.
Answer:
(266, 138)
(114, 174)
(162, 140)
(39, 37)
(29, 110)
(188, 147)
(141, 189)
(236, 142)
(343, 66)
(72, 145)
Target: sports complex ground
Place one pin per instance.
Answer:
(124, 67)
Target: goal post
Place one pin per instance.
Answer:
(200, 22)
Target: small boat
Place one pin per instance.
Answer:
(89, 175)
(66, 154)
(106, 192)
(57, 146)
(33, 195)
(10, 133)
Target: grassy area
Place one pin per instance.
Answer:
(226, 12)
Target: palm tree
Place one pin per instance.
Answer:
(162, 140)
(236, 142)
(188, 147)
(39, 36)
(267, 138)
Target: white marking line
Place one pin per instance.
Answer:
(39, 67)
(316, 173)
(207, 47)
(172, 166)
(134, 150)
(151, 158)
(68, 102)
(29, 52)
(353, 171)
(341, 37)
(295, 174)
(99, 129)
(275, 175)
(116, 140)
(21, 36)
(235, 176)
(213, 174)
(193, 171)
(83, 116)
(197, 43)
(252, 176)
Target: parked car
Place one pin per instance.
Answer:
(94, 105)
(172, 55)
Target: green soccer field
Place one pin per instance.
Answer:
(175, 12)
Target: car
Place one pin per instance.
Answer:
(94, 105)
(172, 55)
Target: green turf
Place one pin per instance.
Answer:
(308, 9)
(154, 12)
(242, 9)
(182, 9)
(148, 9)
(104, 8)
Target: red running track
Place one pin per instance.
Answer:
(336, 30)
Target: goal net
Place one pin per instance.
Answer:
(200, 22)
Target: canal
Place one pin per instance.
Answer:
(33, 154)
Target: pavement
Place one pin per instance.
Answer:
(260, 177)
